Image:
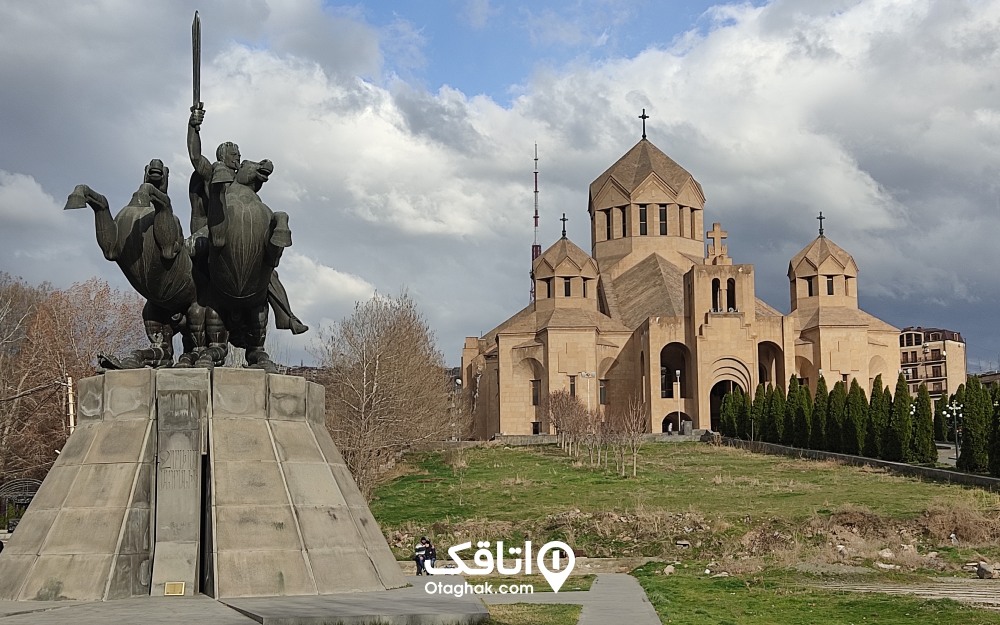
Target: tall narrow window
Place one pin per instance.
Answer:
(716, 295)
(548, 288)
(624, 221)
(663, 219)
(731, 295)
(607, 224)
(829, 285)
(810, 288)
(584, 287)
(536, 392)
(572, 386)
(642, 220)
(602, 392)
(567, 287)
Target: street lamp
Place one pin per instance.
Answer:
(587, 375)
(677, 376)
(954, 410)
(455, 406)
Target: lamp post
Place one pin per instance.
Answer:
(456, 404)
(587, 375)
(677, 376)
(954, 410)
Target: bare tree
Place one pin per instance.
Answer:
(569, 416)
(630, 423)
(46, 337)
(386, 385)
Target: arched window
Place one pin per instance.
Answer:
(731, 295)
(716, 295)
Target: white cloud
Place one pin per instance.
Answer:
(882, 114)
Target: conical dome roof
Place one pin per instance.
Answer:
(562, 250)
(635, 166)
(819, 251)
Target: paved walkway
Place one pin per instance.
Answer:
(984, 593)
(613, 598)
(403, 606)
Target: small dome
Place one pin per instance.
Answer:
(822, 253)
(564, 258)
(643, 159)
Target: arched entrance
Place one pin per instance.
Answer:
(715, 400)
(670, 422)
(770, 363)
(674, 359)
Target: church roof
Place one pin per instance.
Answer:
(643, 159)
(530, 321)
(840, 316)
(560, 251)
(654, 287)
(818, 251)
(763, 309)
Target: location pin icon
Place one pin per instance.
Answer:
(557, 573)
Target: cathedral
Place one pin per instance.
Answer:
(653, 314)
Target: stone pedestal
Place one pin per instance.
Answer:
(226, 481)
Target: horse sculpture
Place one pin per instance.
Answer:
(146, 240)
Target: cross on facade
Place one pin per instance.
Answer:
(821, 218)
(564, 220)
(717, 234)
(644, 117)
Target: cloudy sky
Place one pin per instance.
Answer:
(403, 134)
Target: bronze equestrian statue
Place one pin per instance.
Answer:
(146, 240)
(245, 240)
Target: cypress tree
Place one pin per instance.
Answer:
(757, 409)
(817, 436)
(835, 408)
(886, 418)
(724, 411)
(940, 424)
(776, 415)
(974, 453)
(994, 451)
(922, 449)
(855, 420)
(897, 444)
(791, 403)
(764, 425)
(876, 420)
(803, 418)
(744, 416)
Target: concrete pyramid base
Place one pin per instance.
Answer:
(225, 483)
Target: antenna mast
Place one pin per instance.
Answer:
(536, 249)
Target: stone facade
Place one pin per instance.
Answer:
(653, 315)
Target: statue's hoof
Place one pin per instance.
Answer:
(205, 362)
(281, 237)
(186, 361)
(297, 327)
(76, 199)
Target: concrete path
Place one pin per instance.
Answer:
(403, 606)
(984, 593)
(613, 598)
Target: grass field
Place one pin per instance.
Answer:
(773, 523)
